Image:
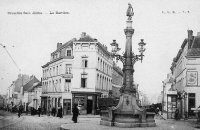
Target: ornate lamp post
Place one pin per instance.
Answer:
(127, 113)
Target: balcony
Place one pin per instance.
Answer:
(67, 75)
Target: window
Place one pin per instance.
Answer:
(67, 85)
(83, 82)
(60, 69)
(68, 69)
(50, 86)
(69, 53)
(53, 71)
(50, 72)
(85, 63)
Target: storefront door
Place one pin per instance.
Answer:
(67, 106)
(191, 104)
(89, 106)
(171, 106)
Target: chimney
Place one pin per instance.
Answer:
(83, 34)
(95, 40)
(190, 38)
(106, 47)
(59, 45)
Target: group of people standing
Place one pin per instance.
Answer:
(75, 112)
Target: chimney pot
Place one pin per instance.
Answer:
(59, 45)
(83, 34)
(190, 37)
(190, 34)
(95, 40)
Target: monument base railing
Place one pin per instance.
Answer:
(127, 114)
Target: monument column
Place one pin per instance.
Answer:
(127, 113)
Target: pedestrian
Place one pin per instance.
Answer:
(54, 111)
(157, 111)
(58, 113)
(20, 109)
(39, 111)
(75, 113)
(176, 114)
(27, 109)
(61, 112)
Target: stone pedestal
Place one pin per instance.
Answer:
(127, 114)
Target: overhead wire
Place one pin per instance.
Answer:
(11, 57)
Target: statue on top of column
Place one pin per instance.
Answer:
(129, 11)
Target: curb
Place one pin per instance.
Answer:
(22, 118)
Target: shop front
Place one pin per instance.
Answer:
(171, 105)
(44, 104)
(87, 101)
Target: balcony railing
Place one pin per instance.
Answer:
(67, 75)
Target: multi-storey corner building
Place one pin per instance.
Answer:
(80, 71)
(186, 71)
(56, 79)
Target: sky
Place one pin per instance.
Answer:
(30, 38)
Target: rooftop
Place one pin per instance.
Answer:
(30, 83)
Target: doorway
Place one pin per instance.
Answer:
(191, 104)
(66, 106)
(89, 106)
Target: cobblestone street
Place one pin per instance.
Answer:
(85, 122)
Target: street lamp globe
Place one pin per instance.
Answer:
(141, 44)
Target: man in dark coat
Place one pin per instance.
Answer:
(19, 111)
(177, 114)
(54, 111)
(75, 113)
(39, 111)
(60, 112)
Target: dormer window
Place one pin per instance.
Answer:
(69, 53)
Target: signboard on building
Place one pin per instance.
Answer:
(192, 78)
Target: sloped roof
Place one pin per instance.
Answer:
(30, 83)
(195, 48)
(21, 80)
(196, 42)
(69, 43)
(193, 52)
(36, 84)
